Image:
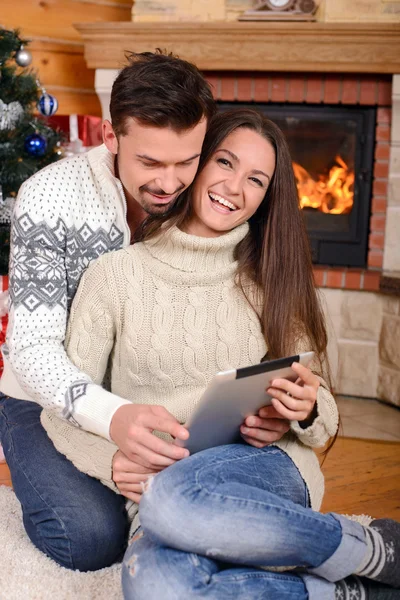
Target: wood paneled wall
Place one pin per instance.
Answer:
(57, 48)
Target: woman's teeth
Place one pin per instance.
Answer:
(221, 200)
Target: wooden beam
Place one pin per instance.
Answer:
(247, 46)
(54, 18)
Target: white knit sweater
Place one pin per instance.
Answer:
(66, 215)
(170, 316)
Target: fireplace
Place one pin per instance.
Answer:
(333, 156)
(325, 65)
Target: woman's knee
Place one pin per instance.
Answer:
(141, 570)
(153, 572)
(162, 506)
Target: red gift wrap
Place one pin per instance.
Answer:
(3, 320)
(86, 128)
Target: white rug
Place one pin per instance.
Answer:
(27, 574)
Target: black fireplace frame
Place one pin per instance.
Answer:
(337, 248)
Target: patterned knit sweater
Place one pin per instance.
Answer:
(66, 215)
(170, 316)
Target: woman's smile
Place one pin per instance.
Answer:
(221, 204)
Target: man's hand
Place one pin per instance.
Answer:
(265, 428)
(129, 476)
(132, 429)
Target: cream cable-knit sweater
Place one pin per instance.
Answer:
(170, 316)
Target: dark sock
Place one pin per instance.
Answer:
(382, 560)
(358, 588)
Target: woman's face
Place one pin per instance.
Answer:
(232, 185)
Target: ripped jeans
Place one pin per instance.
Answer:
(210, 521)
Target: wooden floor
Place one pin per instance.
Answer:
(362, 477)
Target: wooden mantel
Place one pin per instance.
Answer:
(251, 46)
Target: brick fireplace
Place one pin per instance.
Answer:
(308, 64)
(331, 90)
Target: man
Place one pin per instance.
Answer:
(67, 215)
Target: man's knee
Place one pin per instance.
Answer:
(83, 540)
(102, 543)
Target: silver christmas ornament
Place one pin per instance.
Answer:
(10, 114)
(23, 57)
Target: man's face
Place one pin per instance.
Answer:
(155, 164)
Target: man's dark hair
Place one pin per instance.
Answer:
(160, 90)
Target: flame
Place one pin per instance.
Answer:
(330, 194)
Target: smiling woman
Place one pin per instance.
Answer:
(232, 185)
(246, 174)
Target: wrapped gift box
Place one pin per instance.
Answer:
(84, 128)
(3, 315)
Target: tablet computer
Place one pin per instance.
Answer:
(233, 395)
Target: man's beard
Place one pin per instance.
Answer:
(154, 209)
(149, 207)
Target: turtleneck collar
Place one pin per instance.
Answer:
(193, 254)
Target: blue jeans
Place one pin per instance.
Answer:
(210, 521)
(71, 517)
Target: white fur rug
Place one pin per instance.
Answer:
(27, 574)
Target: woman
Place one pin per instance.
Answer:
(227, 278)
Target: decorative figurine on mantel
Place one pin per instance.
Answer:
(281, 10)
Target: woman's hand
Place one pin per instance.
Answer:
(265, 428)
(295, 401)
(129, 476)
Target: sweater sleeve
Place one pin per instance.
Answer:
(38, 314)
(324, 425)
(326, 422)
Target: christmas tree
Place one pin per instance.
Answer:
(27, 143)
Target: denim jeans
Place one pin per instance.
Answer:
(210, 521)
(71, 517)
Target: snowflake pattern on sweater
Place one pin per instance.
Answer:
(65, 216)
(40, 278)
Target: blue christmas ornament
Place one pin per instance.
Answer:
(47, 104)
(35, 144)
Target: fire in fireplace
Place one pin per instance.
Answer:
(331, 193)
(332, 150)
